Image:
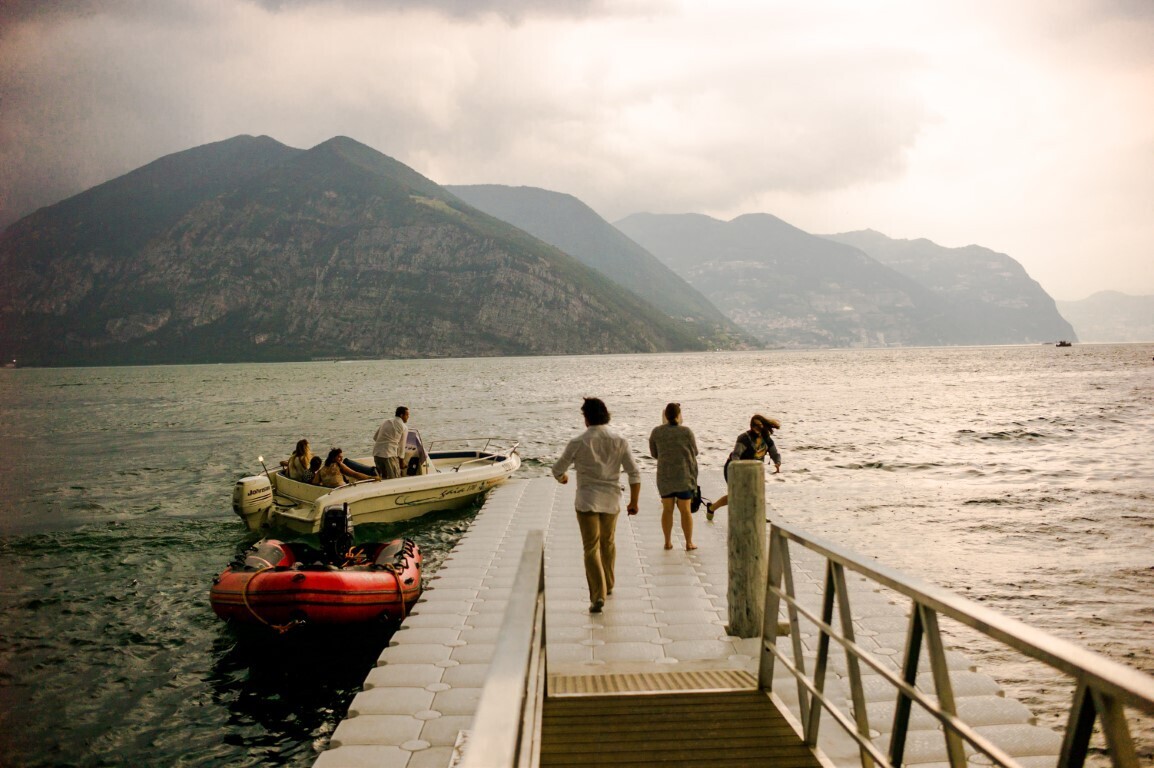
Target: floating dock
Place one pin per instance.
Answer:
(662, 636)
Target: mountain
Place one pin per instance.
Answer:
(250, 250)
(1111, 316)
(993, 299)
(791, 288)
(567, 223)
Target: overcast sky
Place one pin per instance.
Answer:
(1025, 126)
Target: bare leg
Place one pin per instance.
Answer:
(686, 523)
(716, 505)
(667, 521)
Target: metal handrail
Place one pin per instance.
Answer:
(1103, 688)
(486, 454)
(506, 730)
(466, 440)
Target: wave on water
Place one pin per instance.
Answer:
(892, 466)
(1009, 500)
(1008, 434)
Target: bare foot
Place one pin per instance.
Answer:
(690, 546)
(669, 546)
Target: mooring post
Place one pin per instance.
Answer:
(748, 559)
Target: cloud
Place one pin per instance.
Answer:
(958, 121)
(18, 11)
(609, 111)
(510, 10)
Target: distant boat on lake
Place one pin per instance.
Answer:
(1064, 343)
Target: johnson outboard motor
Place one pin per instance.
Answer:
(336, 533)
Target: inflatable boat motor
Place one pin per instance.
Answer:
(336, 534)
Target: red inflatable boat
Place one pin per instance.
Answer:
(283, 585)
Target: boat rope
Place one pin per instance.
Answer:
(400, 591)
(280, 628)
(354, 557)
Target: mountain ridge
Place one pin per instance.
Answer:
(565, 222)
(250, 249)
(789, 287)
(335, 251)
(991, 294)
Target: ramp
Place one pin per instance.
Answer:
(676, 729)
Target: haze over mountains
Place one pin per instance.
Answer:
(988, 294)
(793, 289)
(251, 250)
(1110, 316)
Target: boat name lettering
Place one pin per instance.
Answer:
(461, 489)
(409, 500)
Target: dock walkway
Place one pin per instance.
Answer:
(662, 635)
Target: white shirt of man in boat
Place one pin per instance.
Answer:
(389, 444)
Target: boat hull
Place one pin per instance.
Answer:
(293, 592)
(455, 480)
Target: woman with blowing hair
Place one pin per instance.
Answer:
(753, 444)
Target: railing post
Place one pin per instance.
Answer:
(1079, 728)
(748, 558)
(910, 661)
(772, 607)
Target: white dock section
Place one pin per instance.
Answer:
(667, 613)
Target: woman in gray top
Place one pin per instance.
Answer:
(675, 449)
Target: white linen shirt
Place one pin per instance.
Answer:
(390, 439)
(598, 455)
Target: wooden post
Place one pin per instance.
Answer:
(748, 559)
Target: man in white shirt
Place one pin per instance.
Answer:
(389, 444)
(598, 456)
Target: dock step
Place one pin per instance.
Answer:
(681, 729)
(629, 683)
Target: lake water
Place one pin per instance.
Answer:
(1020, 476)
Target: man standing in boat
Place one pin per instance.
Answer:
(389, 444)
(599, 455)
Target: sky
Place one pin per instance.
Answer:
(1024, 126)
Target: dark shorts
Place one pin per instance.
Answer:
(679, 495)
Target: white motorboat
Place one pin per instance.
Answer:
(449, 475)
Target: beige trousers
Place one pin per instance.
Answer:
(597, 538)
(387, 468)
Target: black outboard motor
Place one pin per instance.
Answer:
(336, 533)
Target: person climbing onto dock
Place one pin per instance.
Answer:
(752, 444)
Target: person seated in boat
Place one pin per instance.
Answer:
(313, 470)
(336, 473)
(298, 464)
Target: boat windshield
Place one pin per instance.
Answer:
(414, 446)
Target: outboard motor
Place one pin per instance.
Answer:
(266, 553)
(336, 533)
(252, 499)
